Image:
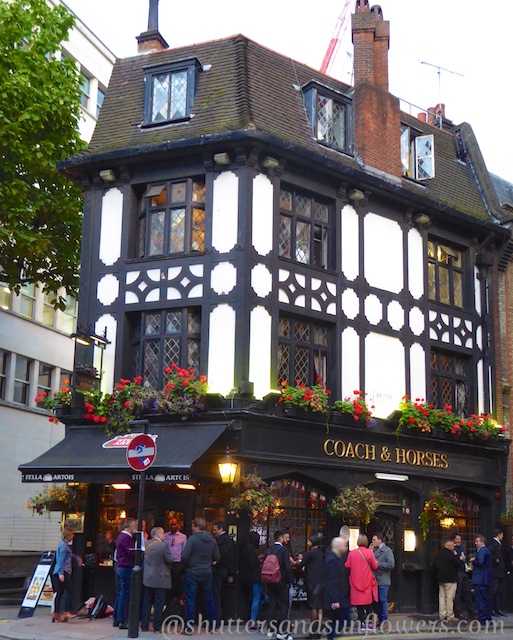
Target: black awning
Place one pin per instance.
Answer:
(87, 455)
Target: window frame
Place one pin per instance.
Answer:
(294, 344)
(147, 210)
(184, 336)
(297, 218)
(21, 383)
(455, 378)
(99, 92)
(312, 93)
(410, 158)
(28, 292)
(85, 89)
(449, 249)
(192, 68)
(3, 373)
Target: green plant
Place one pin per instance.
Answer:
(314, 398)
(357, 502)
(182, 395)
(61, 397)
(423, 416)
(42, 501)
(355, 406)
(255, 496)
(440, 505)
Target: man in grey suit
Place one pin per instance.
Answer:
(386, 562)
(156, 579)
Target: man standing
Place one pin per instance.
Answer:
(277, 617)
(498, 571)
(386, 562)
(463, 598)
(175, 541)
(156, 579)
(125, 557)
(200, 552)
(446, 566)
(482, 579)
(223, 569)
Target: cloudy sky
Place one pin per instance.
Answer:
(454, 51)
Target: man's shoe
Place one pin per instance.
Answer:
(115, 623)
(144, 629)
(501, 613)
(270, 635)
(284, 636)
(123, 625)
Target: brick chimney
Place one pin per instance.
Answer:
(151, 41)
(377, 119)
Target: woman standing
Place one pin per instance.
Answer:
(61, 577)
(363, 586)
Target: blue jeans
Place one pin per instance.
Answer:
(192, 583)
(158, 597)
(123, 596)
(383, 601)
(258, 598)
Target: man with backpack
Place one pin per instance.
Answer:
(277, 576)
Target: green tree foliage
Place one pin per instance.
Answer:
(40, 219)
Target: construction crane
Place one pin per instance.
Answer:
(338, 33)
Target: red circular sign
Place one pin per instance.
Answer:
(141, 452)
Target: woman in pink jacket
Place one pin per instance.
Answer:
(362, 582)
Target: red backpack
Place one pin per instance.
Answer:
(271, 570)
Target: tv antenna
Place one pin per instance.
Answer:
(439, 70)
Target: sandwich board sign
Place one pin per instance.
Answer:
(36, 585)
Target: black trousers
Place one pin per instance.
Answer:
(463, 598)
(278, 604)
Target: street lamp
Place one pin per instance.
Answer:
(227, 468)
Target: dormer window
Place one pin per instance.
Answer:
(330, 116)
(417, 155)
(170, 92)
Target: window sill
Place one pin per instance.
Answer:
(152, 125)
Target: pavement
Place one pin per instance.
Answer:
(40, 627)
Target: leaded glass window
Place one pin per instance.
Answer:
(170, 92)
(302, 350)
(165, 338)
(330, 115)
(445, 274)
(417, 155)
(304, 231)
(172, 218)
(450, 382)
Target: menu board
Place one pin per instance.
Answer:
(36, 585)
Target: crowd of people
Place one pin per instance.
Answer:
(178, 569)
(484, 572)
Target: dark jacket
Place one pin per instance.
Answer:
(482, 567)
(226, 554)
(446, 565)
(287, 575)
(495, 548)
(250, 566)
(157, 565)
(386, 562)
(336, 580)
(199, 553)
(312, 563)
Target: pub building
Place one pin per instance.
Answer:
(258, 221)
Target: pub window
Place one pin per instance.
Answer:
(170, 92)
(417, 155)
(304, 229)
(301, 509)
(467, 523)
(21, 379)
(445, 274)
(450, 382)
(302, 350)
(166, 338)
(172, 218)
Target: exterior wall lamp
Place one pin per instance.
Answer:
(222, 158)
(227, 468)
(410, 540)
(108, 175)
(356, 195)
(270, 163)
(422, 218)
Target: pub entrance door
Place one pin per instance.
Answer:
(388, 521)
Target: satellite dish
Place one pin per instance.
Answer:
(344, 531)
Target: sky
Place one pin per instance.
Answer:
(452, 51)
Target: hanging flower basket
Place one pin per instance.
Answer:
(255, 497)
(52, 498)
(439, 506)
(358, 502)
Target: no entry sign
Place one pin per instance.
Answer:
(141, 452)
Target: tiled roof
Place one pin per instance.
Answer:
(254, 89)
